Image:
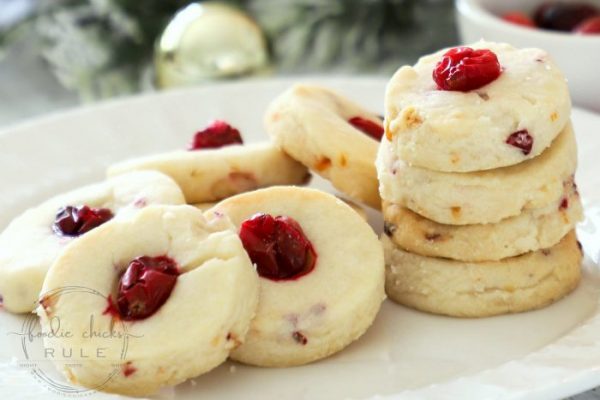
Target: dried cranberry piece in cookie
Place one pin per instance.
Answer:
(522, 140)
(278, 247)
(75, 221)
(217, 134)
(368, 127)
(145, 286)
(464, 69)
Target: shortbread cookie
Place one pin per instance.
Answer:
(181, 287)
(463, 289)
(31, 243)
(479, 197)
(213, 174)
(321, 268)
(528, 105)
(529, 231)
(331, 135)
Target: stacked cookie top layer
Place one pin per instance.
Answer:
(477, 168)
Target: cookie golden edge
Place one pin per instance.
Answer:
(458, 289)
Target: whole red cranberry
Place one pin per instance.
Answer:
(75, 221)
(522, 140)
(518, 18)
(278, 247)
(145, 286)
(217, 134)
(590, 26)
(368, 127)
(563, 16)
(464, 69)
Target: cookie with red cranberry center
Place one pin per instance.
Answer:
(484, 106)
(33, 240)
(311, 251)
(331, 135)
(180, 287)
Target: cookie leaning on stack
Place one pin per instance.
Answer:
(476, 177)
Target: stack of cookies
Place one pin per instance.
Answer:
(477, 182)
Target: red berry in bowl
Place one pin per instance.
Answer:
(278, 247)
(215, 135)
(145, 286)
(518, 18)
(464, 69)
(563, 16)
(368, 127)
(75, 221)
(522, 140)
(590, 26)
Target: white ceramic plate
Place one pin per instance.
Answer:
(549, 353)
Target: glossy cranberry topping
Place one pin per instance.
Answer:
(278, 247)
(464, 69)
(563, 16)
(518, 18)
(590, 26)
(522, 140)
(145, 286)
(215, 135)
(75, 221)
(368, 127)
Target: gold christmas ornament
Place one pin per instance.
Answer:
(208, 41)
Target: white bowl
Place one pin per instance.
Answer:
(577, 55)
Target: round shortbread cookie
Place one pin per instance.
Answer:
(29, 246)
(311, 317)
(462, 289)
(529, 231)
(211, 304)
(468, 131)
(210, 175)
(310, 123)
(479, 197)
